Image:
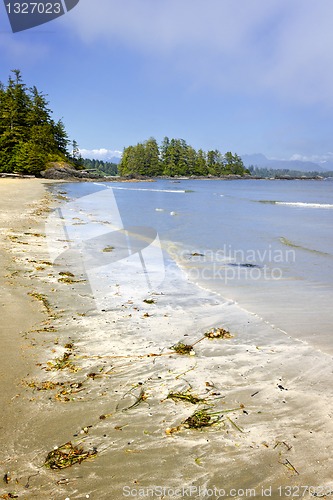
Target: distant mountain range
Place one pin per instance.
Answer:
(261, 161)
(113, 159)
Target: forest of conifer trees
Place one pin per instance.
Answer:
(177, 158)
(29, 137)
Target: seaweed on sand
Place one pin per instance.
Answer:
(213, 333)
(108, 249)
(201, 418)
(205, 418)
(218, 333)
(44, 386)
(68, 277)
(181, 348)
(185, 396)
(41, 298)
(62, 363)
(65, 389)
(140, 399)
(69, 281)
(290, 466)
(66, 456)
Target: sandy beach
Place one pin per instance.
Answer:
(103, 380)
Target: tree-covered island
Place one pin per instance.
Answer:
(174, 157)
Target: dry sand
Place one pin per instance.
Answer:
(278, 436)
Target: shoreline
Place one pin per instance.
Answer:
(91, 178)
(277, 434)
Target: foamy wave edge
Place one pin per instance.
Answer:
(304, 205)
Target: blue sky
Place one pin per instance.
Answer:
(242, 75)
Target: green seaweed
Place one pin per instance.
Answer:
(201, 418)
(183, 349)
(185, 396)
(108, 249)
(66, 456)
(62, 363)
(140, 399)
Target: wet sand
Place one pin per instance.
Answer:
(70, 372)
(18, 311)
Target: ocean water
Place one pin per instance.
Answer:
(266, 245)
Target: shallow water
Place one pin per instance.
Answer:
(264, 244)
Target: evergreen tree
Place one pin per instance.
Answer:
(29, 158)
(2, 104)
(191, 161)
(165, 156)
(214, 162)
(14, 107)
(233, 164)
(127, 165)
(101, 167)
(201, 163)
(38, 113)
(60, 137)
(152, 166)
(29, 138)
(76, 155)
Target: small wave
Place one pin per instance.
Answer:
(182, 191)
(304, 205)
(299, 204)
(289, 243)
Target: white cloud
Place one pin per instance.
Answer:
(314, 158)
(279, 47)
(100, 154)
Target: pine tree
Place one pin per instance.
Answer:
(29, 158)
(234, 164)
(214, 163)
(164, 155)
(201, 163)
(29, 138)
(127, 164)
(14, 107)
(76, 157)
(60, 137)
(152, 161)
